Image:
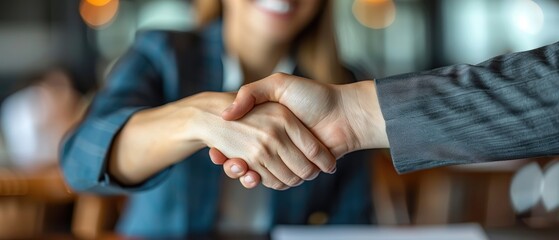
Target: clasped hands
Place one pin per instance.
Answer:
(322, 123)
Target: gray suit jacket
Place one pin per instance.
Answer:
(504, 108)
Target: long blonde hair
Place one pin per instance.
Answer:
(316, 49)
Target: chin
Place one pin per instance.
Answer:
(277, 33)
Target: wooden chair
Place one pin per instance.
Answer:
(469, 193)
(24, 196)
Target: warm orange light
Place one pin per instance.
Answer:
(375, 14)
(98, 3)
(98, 15)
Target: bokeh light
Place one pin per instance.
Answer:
(528, 16)
(526, 187)
(98, 3)
(171, 14)
(98, 13)
(550, 190)
(375, 14)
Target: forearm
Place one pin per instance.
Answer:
(157, 138)
(504, 108)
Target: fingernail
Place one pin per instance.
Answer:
(299, 184)
(236, 169)
(248, 179)
(313, 177)
(333, 170)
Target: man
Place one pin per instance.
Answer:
(504, 108)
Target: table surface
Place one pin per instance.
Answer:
(46, 184)
(522, 233)
(43, 184)
(519, 233)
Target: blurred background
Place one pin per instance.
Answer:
(54, 55)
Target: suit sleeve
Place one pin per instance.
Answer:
(133, 85)
(504, 108)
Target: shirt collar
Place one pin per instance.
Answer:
(233, 74)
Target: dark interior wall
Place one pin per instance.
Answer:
(36, 35)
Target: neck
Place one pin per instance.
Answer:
(258, 56)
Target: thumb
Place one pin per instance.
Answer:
(266, 90)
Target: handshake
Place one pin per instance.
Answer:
(283, 130)
(321, 123)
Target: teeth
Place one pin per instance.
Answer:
(274, 5)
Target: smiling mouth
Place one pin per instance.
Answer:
(278, 7)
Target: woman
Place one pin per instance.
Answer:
(146, 133)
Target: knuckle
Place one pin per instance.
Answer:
(259, 153)
(279, 76)
(294, 181)
(273, 184)
(266, 184)
(332, 167)
(243, 89)
(267, 164)
(270, 136)
(283, 112)
(278, 186)
(276, 113)
(278, 108)
(308, 172)
(313, 150)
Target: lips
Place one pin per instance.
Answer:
(280, 7)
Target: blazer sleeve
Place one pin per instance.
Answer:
(504, 108)
(134, 84)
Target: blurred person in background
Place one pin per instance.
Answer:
(146, 132)
(35, 119)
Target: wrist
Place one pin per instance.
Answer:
(165, 133)
(142, 148)
(203, 112)
(177, 130)
(361, 106)
(156, 138)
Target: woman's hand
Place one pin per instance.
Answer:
(269, 137)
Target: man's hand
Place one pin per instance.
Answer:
(345, 118)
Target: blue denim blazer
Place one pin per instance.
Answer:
(165, 66)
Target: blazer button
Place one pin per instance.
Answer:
(318, 218)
